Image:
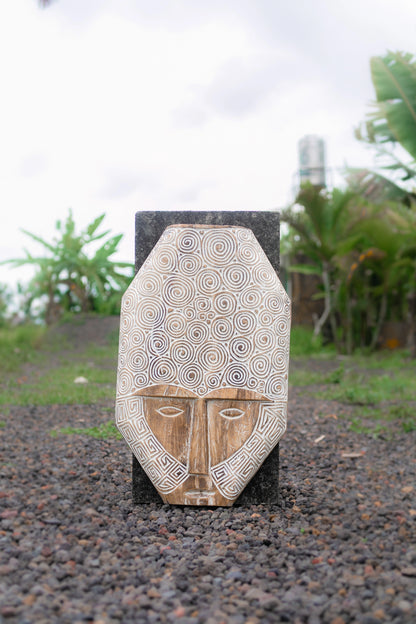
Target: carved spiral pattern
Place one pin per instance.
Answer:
(265, 340)
(251, 297)
(266, 318)
(190, 375)
(149, 285)
(219, 246)
(178, 292)
(245, 322)
(127, 325)
(208, 282)
(244, 235)
(241, 348)
(263, 274)
(260, 365)
(225, 303)
(157, 343)
(182, 352)
(213, 380)
(162, 370)
(175, 325)
(190, 265)
(125, 381)
(139, 360)
(248, 253)
(205, 311)
(166, 260)
(190, 313)
(141, 380)
(274, 303)
(212, 356)
(188, 241)
(152, 313)
(197, 332)
(236, 375)
(202, 304)
(137, 338)
(279, 361)
(236, 277)
(222, 329)
(276, 386)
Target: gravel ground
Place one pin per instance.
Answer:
(340, 548)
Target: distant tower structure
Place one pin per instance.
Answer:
(312, 160)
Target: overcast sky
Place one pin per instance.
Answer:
(117, 106)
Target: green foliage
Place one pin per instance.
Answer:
(303, 343)
(104, 431)
(319, 221)
(391, 130)
(365, 255)
(74, 274)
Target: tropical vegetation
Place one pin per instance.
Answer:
(361, 242)
(364, 255)
(74, 274)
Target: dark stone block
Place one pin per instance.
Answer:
(262, 489)
(150, 225)
(264, 225)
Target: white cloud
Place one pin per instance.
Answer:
(121, 105)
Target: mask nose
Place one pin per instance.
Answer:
(198, 463)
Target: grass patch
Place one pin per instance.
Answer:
(19, 345)
(304, 377)
(99, 353)
(381, 386)
(363, 389)
(373, 429)
(56, 386)
(376, 420)
(303, 343)
(101, 432)
(53, 367)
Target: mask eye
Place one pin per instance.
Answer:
(170, 411)
(231, 413)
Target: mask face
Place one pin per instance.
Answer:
(203, 363)
(201, 434)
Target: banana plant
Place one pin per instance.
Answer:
(71, 276)
(390, 129)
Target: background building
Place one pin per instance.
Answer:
(312, 160)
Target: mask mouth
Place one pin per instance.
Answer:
(201, 492)
(200, 497)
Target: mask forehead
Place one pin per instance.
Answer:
(206, 311)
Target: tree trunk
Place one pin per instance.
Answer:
(327, 309)
(380, 321)
(411, 321)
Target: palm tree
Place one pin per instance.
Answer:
(321, 228)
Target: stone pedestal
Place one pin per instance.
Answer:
(263, 487)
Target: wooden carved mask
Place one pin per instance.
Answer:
(203, 363)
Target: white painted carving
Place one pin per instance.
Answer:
(205, 313)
